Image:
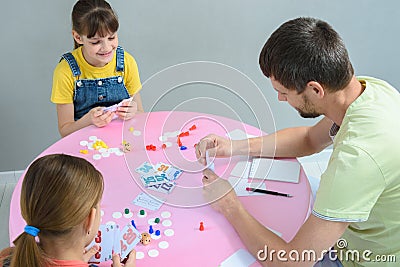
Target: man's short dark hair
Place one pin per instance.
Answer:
(303, 50)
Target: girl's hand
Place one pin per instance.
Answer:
(127, 110)
(131, 262)
(87, 254)
(100, 118)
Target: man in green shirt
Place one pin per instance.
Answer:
(358, 199)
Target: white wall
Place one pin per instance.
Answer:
(163, 33)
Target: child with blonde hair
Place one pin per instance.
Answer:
(60, 202)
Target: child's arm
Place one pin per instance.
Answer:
(67, 124)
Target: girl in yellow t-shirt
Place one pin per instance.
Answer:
(96, 74)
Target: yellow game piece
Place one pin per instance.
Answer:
(84, 151)
(131, 129)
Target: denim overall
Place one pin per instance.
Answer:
(90, 93)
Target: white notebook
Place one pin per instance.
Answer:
(275, 170)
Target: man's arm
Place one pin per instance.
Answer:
(290, 142)
(316, 235)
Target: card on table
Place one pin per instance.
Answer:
(172, 173)
(240, 258)
(275, 170)
(165, 188)
(145, 201)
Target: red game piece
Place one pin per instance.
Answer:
(164, 146)
(201, 228)
(193, 127)
(179, 142)
(151, 147)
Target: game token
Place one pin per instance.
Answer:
(163, 244)
(201, 228)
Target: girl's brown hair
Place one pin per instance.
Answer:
(58, 193)
(93, 16)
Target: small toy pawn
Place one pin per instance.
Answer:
(145, 239)
(201, 228)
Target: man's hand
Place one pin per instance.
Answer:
(217, 146)
(218, 192)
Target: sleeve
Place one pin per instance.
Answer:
(132, 79)
(63, 84)
(350, 186)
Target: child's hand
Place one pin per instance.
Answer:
(127, 110)
(100, 118)
(131, 262)
(87, 254)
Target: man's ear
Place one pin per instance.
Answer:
(316, 89)
(77, 37)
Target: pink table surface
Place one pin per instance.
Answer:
(188, 246)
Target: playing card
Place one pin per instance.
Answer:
(210, 164)
(172, 173)
(105, 240)
(148, 202)
(114, 107)
(153, 179)
(117, 236)
(129, 237)
(165, 188)
(145, 168)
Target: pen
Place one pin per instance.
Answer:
(267, 192)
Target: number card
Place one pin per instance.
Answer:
(129, 237)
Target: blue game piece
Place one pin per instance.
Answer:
(133, 223)
(151, 229)
(158, 232)
(183, 148)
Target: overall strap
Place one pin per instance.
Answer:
(76, 71)
(120, 59)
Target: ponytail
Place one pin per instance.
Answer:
(27, 252)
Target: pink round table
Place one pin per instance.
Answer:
(184, 245)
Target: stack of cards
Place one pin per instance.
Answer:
(160, 178)
(114, 107)
(111, 239)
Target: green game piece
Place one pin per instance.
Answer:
(157, 220)
(126, 211)
(141, 212)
